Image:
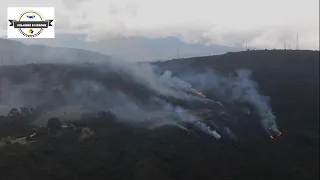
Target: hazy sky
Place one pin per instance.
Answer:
(260, 23)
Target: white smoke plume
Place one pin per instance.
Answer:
(208, 130)
(183, 116)
(91, 87)
(246, 91)
(237, 89)
(164, 84)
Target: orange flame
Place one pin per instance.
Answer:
(199, 93)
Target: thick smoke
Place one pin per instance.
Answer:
(245, 91)
(179, 114)
(164, 84)
(131, 92)
(95, 92)
(237, 89)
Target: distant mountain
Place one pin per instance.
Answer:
(144, 49)
(15, 53)
(136, 48)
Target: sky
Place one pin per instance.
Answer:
(259, 23)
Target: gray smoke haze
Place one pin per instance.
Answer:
(179, 114)
(237, 89)
(135, 99)
(94, 93)
(164, 84)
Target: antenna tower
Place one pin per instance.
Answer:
(1, 59)
(1, 80)
(297, 42)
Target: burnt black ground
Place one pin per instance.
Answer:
(290, 78)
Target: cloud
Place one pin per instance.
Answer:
(263, 24)
(263, 37)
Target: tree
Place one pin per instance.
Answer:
(24, 111)
(14, 113)
(34, 113)
(54, 124)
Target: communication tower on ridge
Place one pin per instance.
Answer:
(1, 59)
(297, 42)
(178, 52)
(1, 79)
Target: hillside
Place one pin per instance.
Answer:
(290, 78)
(17, 53)
(128, 151)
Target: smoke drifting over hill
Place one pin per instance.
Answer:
(236, 89)
(133, 92)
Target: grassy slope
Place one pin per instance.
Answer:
(290, 78)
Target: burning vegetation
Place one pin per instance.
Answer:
(130, 122)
